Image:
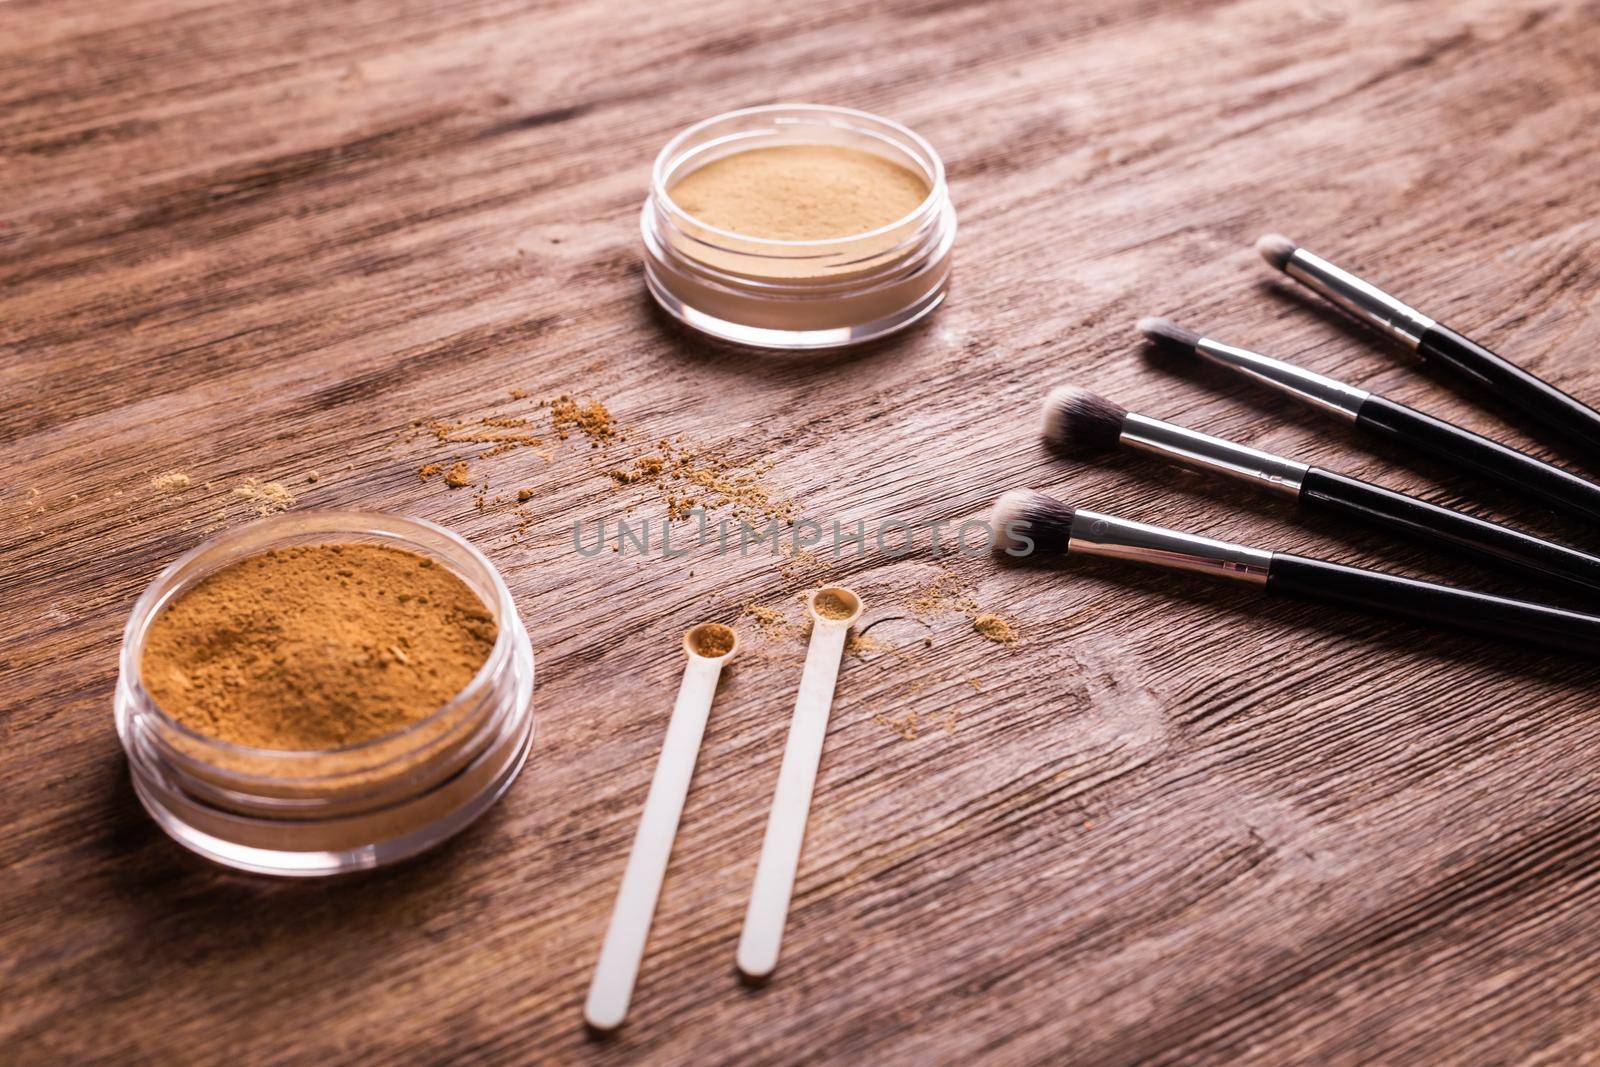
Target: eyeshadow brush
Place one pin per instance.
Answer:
(1434, 342)
(1080, 422)
(1026, 523)
(1386, 418)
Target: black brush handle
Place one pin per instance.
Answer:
(1488, 541)
(1456, 609)
(1554, 409)
(1493, 460)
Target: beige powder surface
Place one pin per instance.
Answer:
(800, 192)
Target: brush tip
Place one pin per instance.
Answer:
(1025, 522)
(1078, 420)
(1276, 249)
(1159, 329)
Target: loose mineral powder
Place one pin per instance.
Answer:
(316, 646)
(324, 691)
(801, 192)
(798, 226)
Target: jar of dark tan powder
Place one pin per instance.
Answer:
(321, 692)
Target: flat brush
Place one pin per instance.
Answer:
(1081, 422)
(1029, 523)
(1384, 417)
(1434, 342)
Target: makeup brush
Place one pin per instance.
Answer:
(1435, 342)
(1384, 417)
(1081, 422)
(1028, 523)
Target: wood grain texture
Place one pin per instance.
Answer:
(1172, 823)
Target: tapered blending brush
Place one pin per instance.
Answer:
(1386, 418)
(1027, 523)
(1436, 343)
(1079, 421)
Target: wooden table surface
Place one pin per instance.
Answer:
(1171, 822)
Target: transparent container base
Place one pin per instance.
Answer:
(292, 864)
(758, 337)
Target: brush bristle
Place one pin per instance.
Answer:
(1165, 330)
(1026, 522)
(1078, 421)
(1276, 249)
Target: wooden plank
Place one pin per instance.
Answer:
(1171, 823)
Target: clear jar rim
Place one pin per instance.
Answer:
(155, 597)
(658, 174)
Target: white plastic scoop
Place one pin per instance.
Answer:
(709, 646)
(832, 611)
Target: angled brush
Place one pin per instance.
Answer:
(1027, 523)
(1386, 418)
(1081, 422)
(1551, 409)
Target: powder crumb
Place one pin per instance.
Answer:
(944, 593)
(170, 482)
(524, 495)
(905, 726)
(859, 645)
(593, 420)
(313, 477)
(430, 470)
(518, 394)
(690, 479)
(458, 476)
(265, 498)
(994, 628)
(773, 623)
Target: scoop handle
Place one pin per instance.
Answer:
(768, 910)
(611, 990)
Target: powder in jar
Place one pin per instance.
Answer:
(800, 192)
(316, 646)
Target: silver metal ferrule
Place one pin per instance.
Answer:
(1094, 534)
(1213, 454)
(1359, 298)
(1329, 394)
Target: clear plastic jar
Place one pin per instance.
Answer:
(335, 810)
(797, 294)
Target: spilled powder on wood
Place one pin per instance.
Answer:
(264, 498)
(171, 482)
(995, 628)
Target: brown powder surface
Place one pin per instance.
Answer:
(316, 646)
(833, 605)
(458, 476)
(800, 192)
(711, 640)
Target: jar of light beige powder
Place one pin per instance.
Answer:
(798, 226)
